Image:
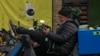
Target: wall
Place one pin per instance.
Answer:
(15, 10)
(94, 12)
(57, 4)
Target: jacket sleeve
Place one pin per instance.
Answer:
(68, 30)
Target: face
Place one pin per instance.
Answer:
(62, 18)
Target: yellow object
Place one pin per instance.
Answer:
(16, 11)
(4, 43)
(0, 40)
(91, 28)
(0, 53)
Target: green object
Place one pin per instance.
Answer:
(96, 33)
(76, 11)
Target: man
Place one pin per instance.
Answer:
(65, 37)
(63, 40)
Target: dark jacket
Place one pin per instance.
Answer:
(65, 37)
